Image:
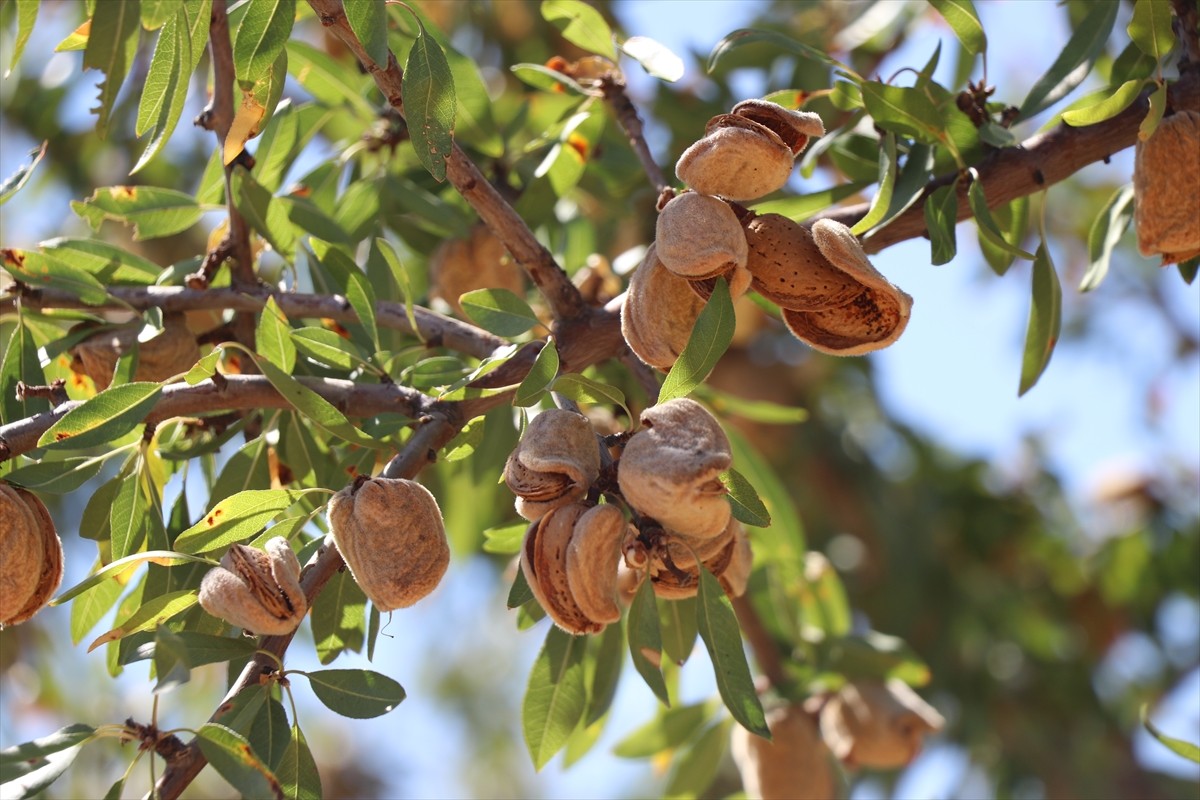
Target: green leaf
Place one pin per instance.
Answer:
(151, 614)
(555, 697)
(273, 337)
(234, 759)
(270, 734)
(180, 45)
(315, 407)
(677, 621)
(540, 376)
(27, 769)
(260, 38)
(941, 219)
(910, 183)
(582, 389)
(723, 638)
(873, 656)
(887, 183)
(109, 415)
(429, 103)
(205, 648)
(19, 362)
(905, 110)
(747, 505)
(13, 183)
(266, 213)
(696, 767)
(1107, 108)
(823, 588)
(986, 223)
(505, 540)
(498, 311)
(964, 21)
(42, 269)
(606, 673)
(89, 607)
(327, 347)
(368, 20)
(205, 368)
(109, 263)
(763, 411)
(297, 770)
(1074, 62)
(1013, 220)
(1045, 320)
(645, 641)
(130, 510)
(1186, 749)
(581, 25)
(153, 212)
(1158, 104)
(1107, 229)
(1188, 269)
(544, 78)
(1150, 29)
(401, 277)
(519, 593)
(170, 661)
(26, 17)
(356, 693)
(236, 519)
(709, 340)
(669, 729)
(337, 618)
(111, 47)
(805, 205)
(656, 58)
(744, 36)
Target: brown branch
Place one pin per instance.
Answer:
(1187, 28)
(234, 392)
(613, 88)
(433, 328)
(561, 295)
(1040, 161)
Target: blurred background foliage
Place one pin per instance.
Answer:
(1046, 618)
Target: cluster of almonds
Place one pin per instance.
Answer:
(31, 555)
(830, 295)
(171, 352)
(390, 533)
(1166, 174)
(579, 557)
(872, 724)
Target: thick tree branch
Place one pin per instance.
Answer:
(433, 328)
(561, 295)
(1040, 161)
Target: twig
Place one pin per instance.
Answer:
(613, 88)
(561, 295)
(56, 392)
(435, 329)
(1038, 162)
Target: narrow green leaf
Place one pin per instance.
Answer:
(1150, 29)
(91, 606)
(464, 444)
(582, 389)
(581, 25)
(234, 759)
(669, 729)
(540, 376)
(153, 212)
(1107, 229)
(401, 277)
(828, 593)
(744, 36)
(1158, 104)
(887, 183)
(149, 615)
(368, 20)
(166, 87)
(645, 641)
(694, 770)
(606, 673)
(498, 311)
(327, 347)
(1107, 108)
(555, 697)
(26, 17)
(337, 618)
(905, 110)
(723, 638)
(910, 183)
(13, 183)
(987, 225)
(22, 759)
(273, 337)
(544, 78)
(260, 37)
(170, 661)
(1045, 320)
(677, 621)
(1188, 269)
(709, 340)
(1186, 749)
(941, 219)
(204, 648)
(519, 593)
(1013, 220)
(763, 411)
(43, 269)
(297, 770)
(109, 263)
(1075, 61)
(205, 368)
(19, 362)
(656, 58)
(235, 519)
(129, 514)
(109, 415)
(504, 540)
(429, 103)
(356, 693)
(964, 21)
(747, 505)
(270, 733)
(315, 407)
(111, 47)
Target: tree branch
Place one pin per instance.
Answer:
(501, 219)
(1040, 161)
(433, 328)
(613, 88)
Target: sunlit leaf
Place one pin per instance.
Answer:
(747, 505)
(581, 25)
(694, 770)
(669, 729)
(235, 519)
(1150, 29)
(356, 693)
(677, 624)
(941, 219)
(177, 53)
(297, 770)
(539, 377)
(429, 103)
(723, 637)
(710, 338)
(655, 57)
(260, 37)
(13, 183)
(27, 11)
(149, 615)
(498, 311)
(1158, 104)
(368, 20)
(111, 47)
(231, 755)
(1074, 62)
(1012, 220)
(964, 21)
(42, 269)
(153, 212)
(887, 183)
(27, 769)
(107, 416)
(315, 407)
(1107, 229)
(273, 336)
(555, 697)
(1107, 108)
(1186, 749)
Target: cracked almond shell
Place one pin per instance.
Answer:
(669, 469)
(659, 312)
(1166, 183)
(592, 558)
(789, 269)
(793, 765)
(555, 463)
(258, 591)
(31, 557)
(794, 128)
(877, 724)
(737, 159)
(391, 534)
(544, 562)
(871, 321)
(698, 236)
